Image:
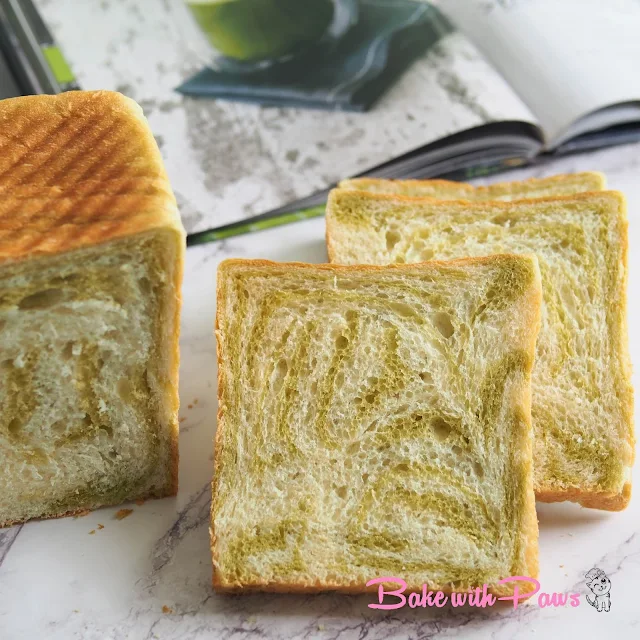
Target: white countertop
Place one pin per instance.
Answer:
(149, 575)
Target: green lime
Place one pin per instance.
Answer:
(250, 30)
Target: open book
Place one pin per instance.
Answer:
(572, 67)
(534, 79)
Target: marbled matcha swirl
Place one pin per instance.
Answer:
(374, 422)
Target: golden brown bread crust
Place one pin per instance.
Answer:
(603, 501)
(353, 588)
(217, 445)
(618, 502)
(45, 226)
(174, 373)
(596, 179)
(59, 141)
(115, 186)
(78, 169)
(530, 526)
(530, 531)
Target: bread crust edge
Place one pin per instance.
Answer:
(145, 495)
(500, 188)
(598, 500)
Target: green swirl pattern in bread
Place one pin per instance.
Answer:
(582, 395)
(375, 421)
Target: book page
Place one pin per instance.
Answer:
(227, 160)
(565, 58)
(297, 152)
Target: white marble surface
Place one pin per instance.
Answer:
(149, 575)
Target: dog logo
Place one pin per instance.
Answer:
(600, 585)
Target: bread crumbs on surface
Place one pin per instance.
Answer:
(92, 532)
(123, 513)
(166, 609)
(140, 502)
(189, 406)
(320, 627)
(100, 526)
(195, 401)
(82, 514)
(181, 420)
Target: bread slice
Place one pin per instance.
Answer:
(375, 422)
(90, 275)
(447, 190)
(582, 394)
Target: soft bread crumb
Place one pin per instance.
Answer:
(100, 526)
(582, 394)
(337, 461)
(123, 513)
(166, 609)
(91, 426)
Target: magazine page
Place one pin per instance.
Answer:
(275, 155)
(296, 152)
(565, 59)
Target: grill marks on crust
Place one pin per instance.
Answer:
(72, 162)
(16, 169)
(77, 169)
(77, 220)
(115, 185)
(61, 140)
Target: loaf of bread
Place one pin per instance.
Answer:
(375, 421)
(582, 395)
(91, 254)
(446, 190)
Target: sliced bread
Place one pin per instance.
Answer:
(447, 190)
(375, 422)
(583, 399)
